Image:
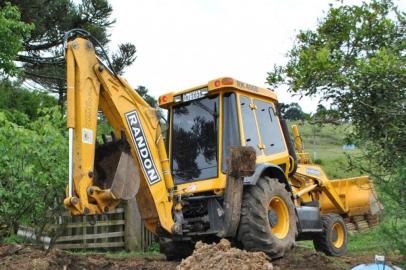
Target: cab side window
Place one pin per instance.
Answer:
(248, 122)
(269, 128)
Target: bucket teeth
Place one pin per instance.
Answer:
(362, 226)
(358, 218)
(361, 223)
(351, 228)
(373, 220)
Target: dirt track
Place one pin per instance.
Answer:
(21, 257)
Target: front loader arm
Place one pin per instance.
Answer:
(92, 87)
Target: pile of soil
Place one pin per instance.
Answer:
(223, 256)
(22, 257)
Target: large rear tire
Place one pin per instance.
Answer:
(268, 219)
(333, 240)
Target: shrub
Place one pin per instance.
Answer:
(33, 170)
(318, 161)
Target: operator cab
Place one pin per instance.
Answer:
(204, 121)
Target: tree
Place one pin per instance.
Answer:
(292, 111)
(143, 92)
(14, 99)
(355, 59)
(42, 58)
(325, 116)
(12, 33)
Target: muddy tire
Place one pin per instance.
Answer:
(268, 219)
(333, 240)
(175, 250)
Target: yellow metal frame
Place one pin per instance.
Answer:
(222, 84)
(350, 196)
(217, 87)
(91, 87)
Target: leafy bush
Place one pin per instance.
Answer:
(12, 32)
(33, 169)
(14, 239)
(318, 161)
(15, 99)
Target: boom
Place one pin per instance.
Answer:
(91, 87)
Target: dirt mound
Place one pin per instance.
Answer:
(21, 257)
(223, 256)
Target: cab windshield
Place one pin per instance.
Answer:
(194, 140)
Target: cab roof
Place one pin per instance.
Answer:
(216, 85)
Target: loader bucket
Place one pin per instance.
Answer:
(358, 195)
(115, 170)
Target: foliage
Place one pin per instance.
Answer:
(355, 59)
(18, 102)
(14, 239)
(292, 111)
(12, 32)
(154, 247)
(32, 169)
(42, 58)
(143, 92)
(394, 198)
(325, 116)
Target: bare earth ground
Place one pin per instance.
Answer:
(21, 257)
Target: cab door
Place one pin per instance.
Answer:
(261, 129)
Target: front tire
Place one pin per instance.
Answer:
(333, 240)
(268, 219)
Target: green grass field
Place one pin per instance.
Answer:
(325, 144)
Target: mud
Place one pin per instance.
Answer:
(23, 257)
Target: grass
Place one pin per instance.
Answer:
(152, 250)
(325, 146)
(14, 239)
(118, 254)
(369, 242)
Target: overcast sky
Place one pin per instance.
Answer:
(184, 43)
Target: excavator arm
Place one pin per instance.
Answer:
(92, 87)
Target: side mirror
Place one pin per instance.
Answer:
(242, 161)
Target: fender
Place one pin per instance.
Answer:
(267, 169)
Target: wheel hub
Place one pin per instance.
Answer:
(337, 235)
(278, 216)
(273, 218)
(334, 236)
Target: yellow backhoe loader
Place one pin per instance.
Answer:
(224, 168)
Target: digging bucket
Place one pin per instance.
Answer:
(358, 195)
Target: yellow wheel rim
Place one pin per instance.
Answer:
(338, 235)
(278, 215)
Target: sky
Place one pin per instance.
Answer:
(183, 43)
